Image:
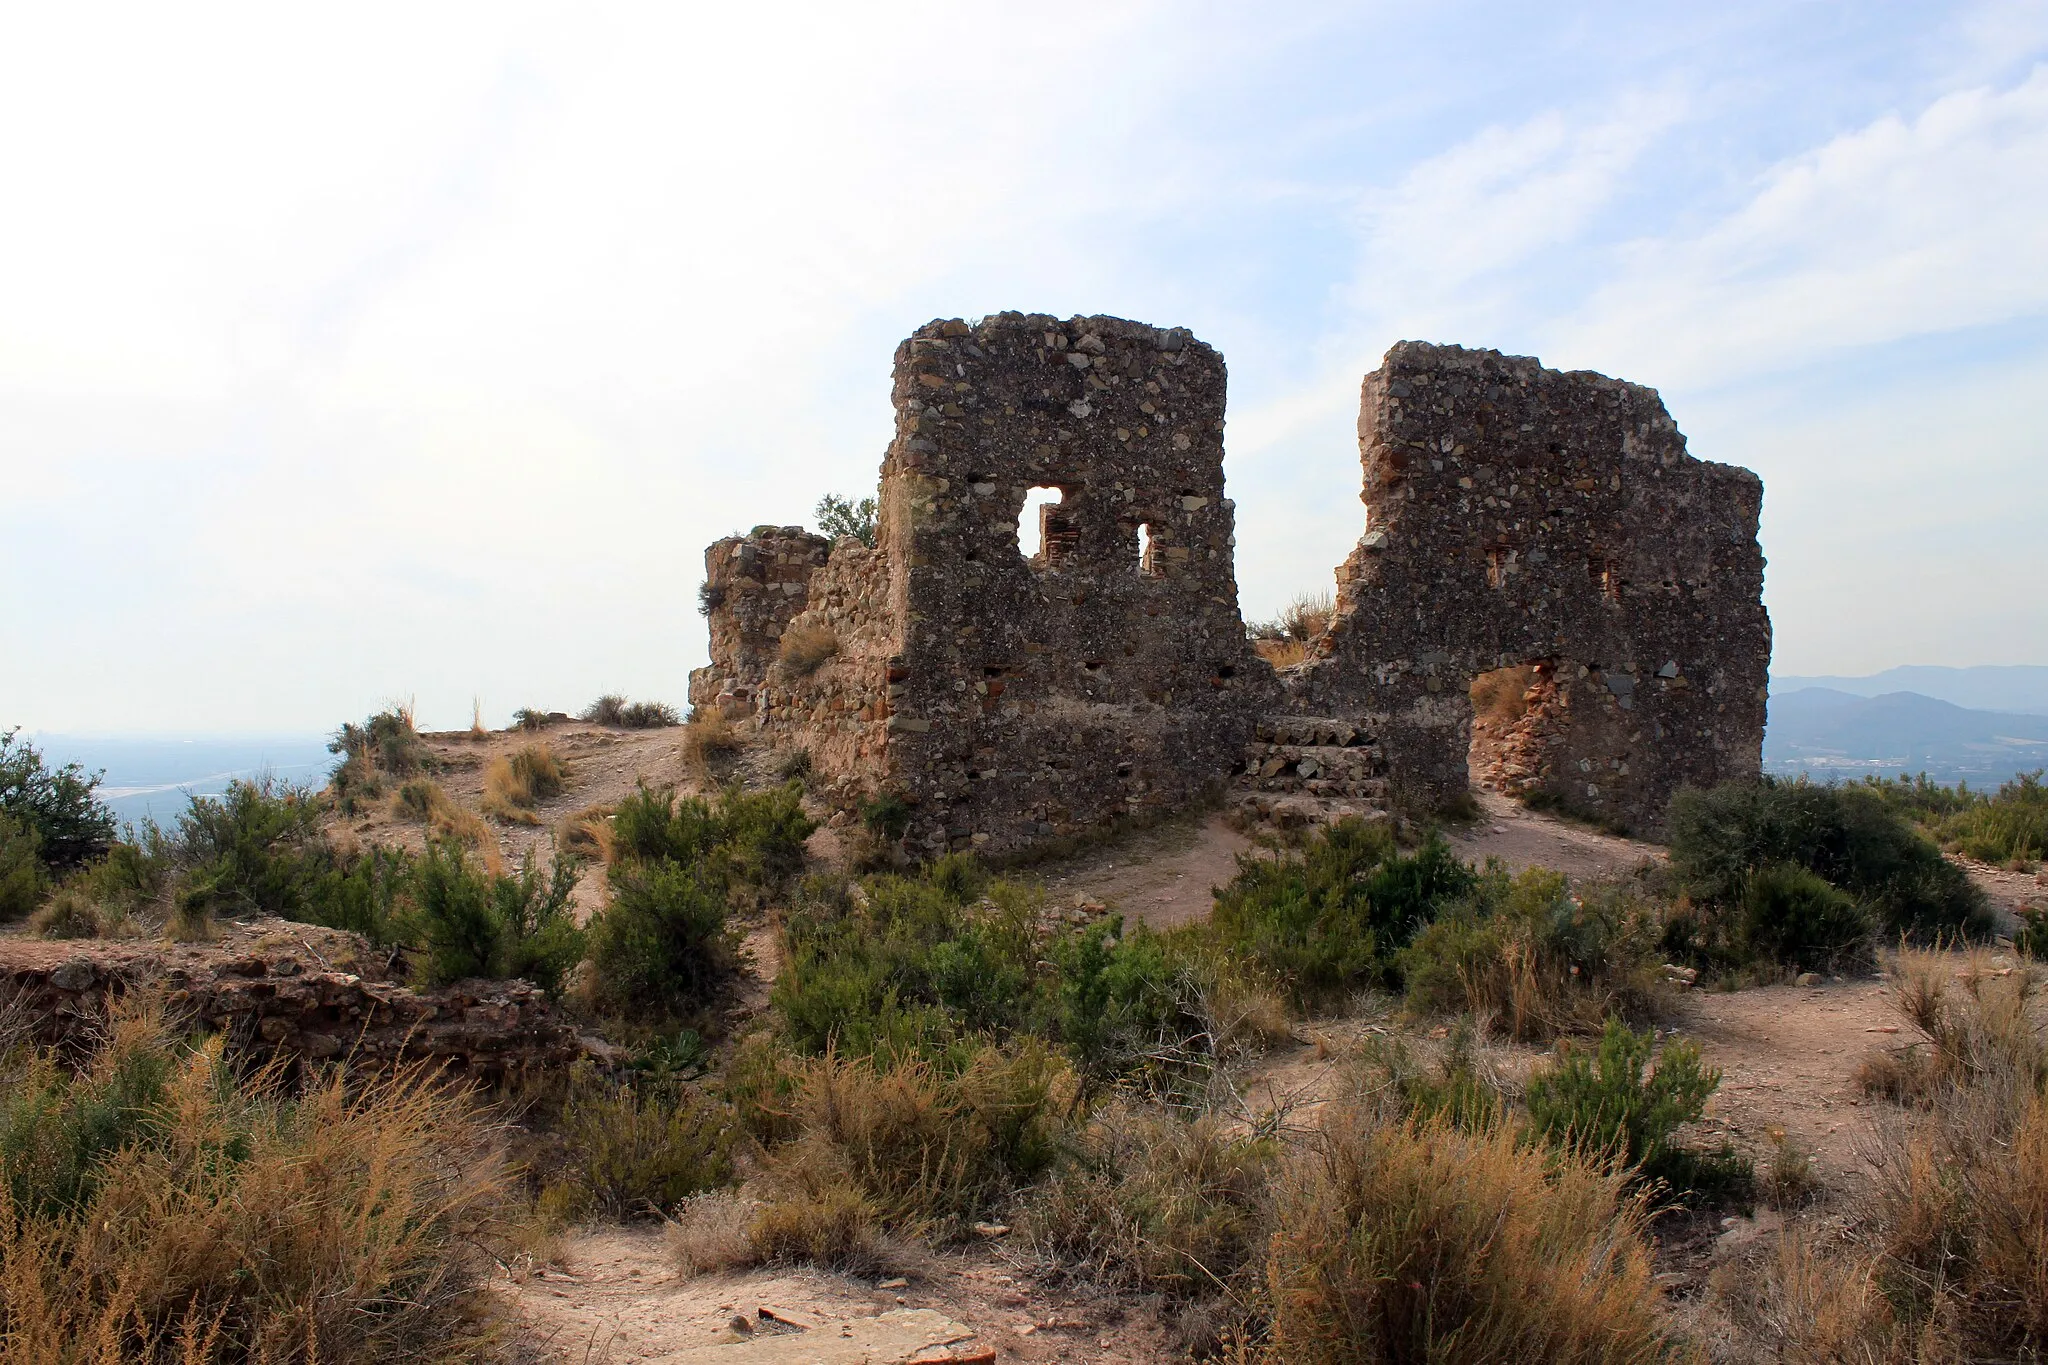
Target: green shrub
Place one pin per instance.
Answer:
(60, 805)
(1451, 1091)
(743, 841)
(1922, 800)
(662, 944)
(1537, 959)
(1333, 918)
(640, 1151)
(469, 922)
(23, 883)
(839, 516)
(384, 746)
(70, 913)
(2032, 938)
(1789, 915)
(1848, 836)
(2010, 827)
(1604, 1104)
(614, 710)
(887, 816)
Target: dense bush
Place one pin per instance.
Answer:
(839, 516)
(1848, 836)
(2008, 827)
(1788, 914)
(23, 881)
(639, 1151)
(384, 746)
(1534, 958)
(1421, 1242)
(1605, 1104)
(929, 965)
(1334, 917)
(60, 805)
(156, 1207)
(679, 867)
(467, 921)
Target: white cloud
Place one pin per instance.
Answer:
(1898, 229)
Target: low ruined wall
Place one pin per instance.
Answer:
(277, 1004)
(1515, 515)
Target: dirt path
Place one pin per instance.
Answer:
(1164, 876)
(617, 1296)
(1523, 838)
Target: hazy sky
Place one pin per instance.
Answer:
(365, 353)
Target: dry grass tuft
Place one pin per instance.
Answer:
(426, 802)
(513, 785)
(709, 1233)
(827, 1223)
(157, 1207)
(586, 834)
(804, 649)
(1280, 653)
(70, 913)
(709, 739)
(1422, 1242)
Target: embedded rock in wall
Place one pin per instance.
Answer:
(1519, 515)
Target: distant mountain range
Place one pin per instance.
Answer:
(1832, 732)
(2020, 689)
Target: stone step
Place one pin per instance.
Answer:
(1312, 730)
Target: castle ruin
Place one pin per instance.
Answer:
(1516, 517)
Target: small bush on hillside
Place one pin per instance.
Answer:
(1607, 1104)
(385, 746)
(2032, 936)
(23, 882)
(637, 1152)
(839, 517)
(663, 944)
(468, 921)
(70, 913)
(1454, 1090)
(61, 805)
(424, 800)
(1419, 1242)
(744, 839)
(1789, 915)
(157, 1206)
(614, 710)
(829, 1224)
(1334, 917)
(886, 816)
(1301, 620)
(514, 784)
(1921, 799)
(709, 740)
(1847, 836)
(2010, 827)
(528, 720)
(804, 649)
(1535, 959)
(1148, 1202)
(928, 1150)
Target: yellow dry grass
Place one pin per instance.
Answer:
(514, 784)
(160, 1207)
(426, 802)
(805, 648)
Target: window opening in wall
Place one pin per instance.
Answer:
(1507, 753)
(1147, 560)
(1033, 523)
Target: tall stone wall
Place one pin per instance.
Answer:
(1521, 515)
(1515, 515)
(1044, 696)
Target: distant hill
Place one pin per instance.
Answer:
(2017, 688)
(1829, 732)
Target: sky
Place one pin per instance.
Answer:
(416, 352)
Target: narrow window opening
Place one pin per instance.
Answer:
(1148, 563)
(1043, 533)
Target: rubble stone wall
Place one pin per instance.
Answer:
(1515, 515)
(1518, 515)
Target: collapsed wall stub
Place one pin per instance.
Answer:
(1521, 515)
(1516, 515)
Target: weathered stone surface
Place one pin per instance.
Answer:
(1515, 515)
(281, 1005)
(1524, 516)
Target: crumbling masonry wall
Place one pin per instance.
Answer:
(1521, 515)
(1515, 515)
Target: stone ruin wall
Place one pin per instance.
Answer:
(1519, 515)
(1515, 516)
